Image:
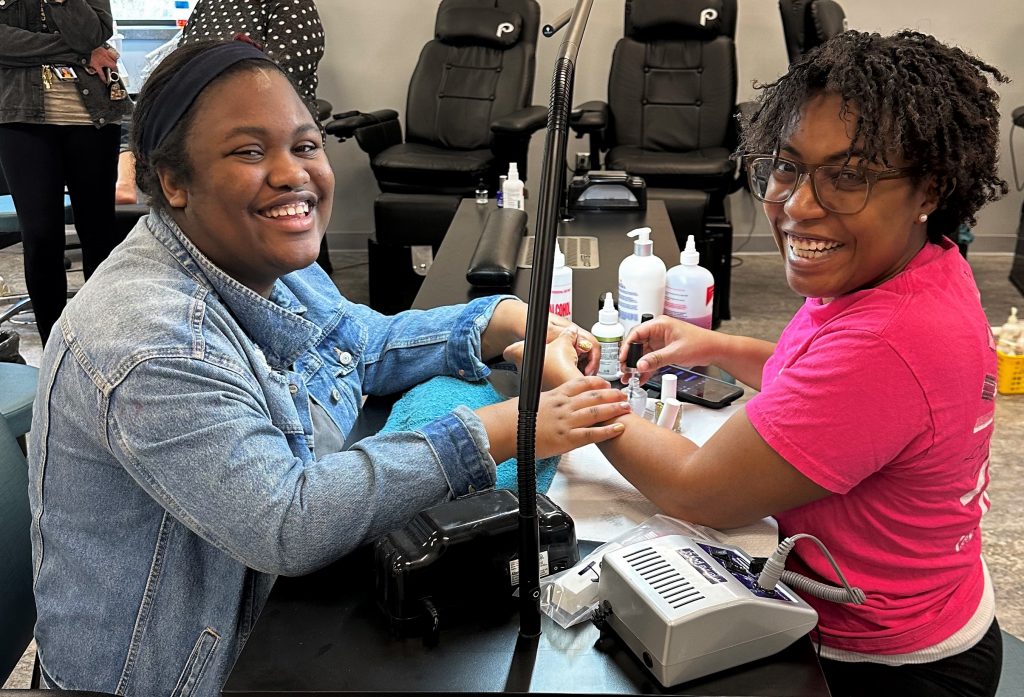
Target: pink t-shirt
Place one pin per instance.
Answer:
(886, 398)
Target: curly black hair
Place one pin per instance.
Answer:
(172, 155)
(913, 96)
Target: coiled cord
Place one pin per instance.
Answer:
(775, 570)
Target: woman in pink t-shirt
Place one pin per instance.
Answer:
(868, 155)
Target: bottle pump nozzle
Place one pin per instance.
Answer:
(642, 246)
(559, 257)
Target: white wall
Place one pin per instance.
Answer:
(373, 45)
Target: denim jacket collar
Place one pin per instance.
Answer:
(279, 326)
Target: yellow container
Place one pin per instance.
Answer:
(1011, 373)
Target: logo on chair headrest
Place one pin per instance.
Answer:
(504, 28)
(708, 14)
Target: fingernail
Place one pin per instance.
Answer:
(618, 427)
(586, 345)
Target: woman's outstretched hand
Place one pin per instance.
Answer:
(574, 414)
(569, 416)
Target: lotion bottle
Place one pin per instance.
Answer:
(608, 333)
(690, 289)
(513, 193)
(641, 281)
(561, 286)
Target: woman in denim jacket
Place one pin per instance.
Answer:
(195, 398)
(59, 116)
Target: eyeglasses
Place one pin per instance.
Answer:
(841, 189)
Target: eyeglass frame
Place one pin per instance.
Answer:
(872, 176)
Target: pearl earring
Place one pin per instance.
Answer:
(923, 218)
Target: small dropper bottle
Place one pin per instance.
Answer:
(636, 395)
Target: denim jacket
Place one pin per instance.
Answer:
(76, 28)
(172, 474)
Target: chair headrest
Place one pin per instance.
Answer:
(488, 26)
(677, 19)
(829, 19)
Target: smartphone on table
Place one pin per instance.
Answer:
(697, 388)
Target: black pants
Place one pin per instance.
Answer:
(38, 160)
(973, 673)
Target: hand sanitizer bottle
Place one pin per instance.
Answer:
(512, 190)
(608, 333)
(641, 281)
(690, 289)
(561, 286)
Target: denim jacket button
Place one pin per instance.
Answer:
(462, 372)
(335, 395)
(343, 356)
(294, 389)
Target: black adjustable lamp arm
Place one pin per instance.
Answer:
(545, 229)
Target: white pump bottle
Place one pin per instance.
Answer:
(641, 281)
(690, 289)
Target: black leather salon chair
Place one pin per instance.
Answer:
(670, 118)
(809, 23)
(467, 116)
(1017, 269)
(17, 606)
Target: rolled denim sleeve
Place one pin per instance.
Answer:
(197, 437)
(416, 345)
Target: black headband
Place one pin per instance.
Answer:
(186, 84)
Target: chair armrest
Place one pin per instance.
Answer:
(323, 110)
(589, 117)
(374, 131)
(523, 122)
(1018, 117)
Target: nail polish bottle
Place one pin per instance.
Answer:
(636, 395)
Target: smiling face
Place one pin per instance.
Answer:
(827, 254)
(259, 197)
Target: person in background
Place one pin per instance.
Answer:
(59, 126)
(126, 191)
(193, 407)
(872, 427)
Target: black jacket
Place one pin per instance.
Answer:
(76, 27)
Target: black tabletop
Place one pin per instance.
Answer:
(323, 634)
(446, 282)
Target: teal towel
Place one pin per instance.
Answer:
(439, 396)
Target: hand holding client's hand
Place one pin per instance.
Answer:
(568, 417)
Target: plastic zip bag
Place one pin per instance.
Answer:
(570, 597)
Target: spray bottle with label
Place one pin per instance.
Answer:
(561, 286)
(608, 333)
(513, 189)
(690, 289)
(641, 281)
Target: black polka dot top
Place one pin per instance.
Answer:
(289, 31)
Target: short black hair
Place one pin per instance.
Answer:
(172, 154)
(913, 95)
